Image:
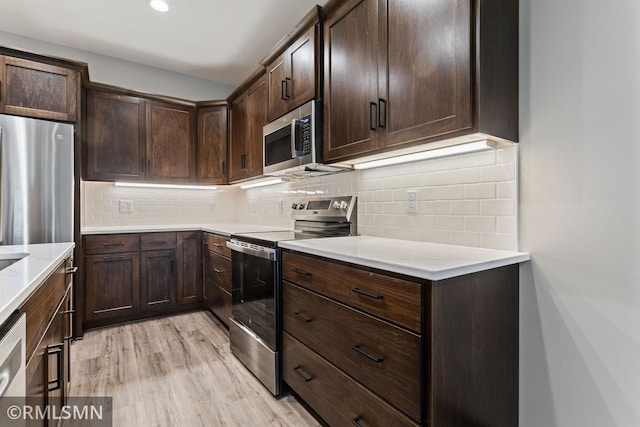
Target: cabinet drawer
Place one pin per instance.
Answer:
(396, 300)
(154, 241)
(381, 356)
(219, 270)
(111, 243)
(337, 398)
(217, 244)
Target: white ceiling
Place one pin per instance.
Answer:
(219, 40)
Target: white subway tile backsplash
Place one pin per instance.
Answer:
(498, 207)
(465, 200)
(485, 190)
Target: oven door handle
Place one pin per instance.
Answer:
(266, 253)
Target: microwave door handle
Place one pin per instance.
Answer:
(294, 135)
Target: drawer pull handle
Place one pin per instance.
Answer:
(57, 350)
(113, 258)
(108, 245)
(217, 270)
(367, 355)
(356, 422)
(302, 318)
(71, 270)
(157, 242)
(366, 294)
(303, 374)
(217, 245)
(301, 272)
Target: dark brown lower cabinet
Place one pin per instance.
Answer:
(354, 365)
(49, 312)
(160, 273)
(217, 277)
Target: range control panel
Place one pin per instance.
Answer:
(335, 206)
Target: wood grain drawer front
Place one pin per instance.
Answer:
(219, 302)
(217, 244)
(396, 300)
(381, 356)
(156, 241)
(111, 243)
(337, 398)
(219, 268)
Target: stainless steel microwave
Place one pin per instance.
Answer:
(293, 142)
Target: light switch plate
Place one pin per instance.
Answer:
(126, 206)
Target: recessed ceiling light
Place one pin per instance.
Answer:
(159, 5)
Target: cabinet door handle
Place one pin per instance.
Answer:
(111, 245)
(70, 313)
(56, 349)
(287, 87)
(224, 168)
(142, 166)
(373, 107)
(366, 294)
(113, 258)
(303, 374)
(301, 272)
(148, 165)
(219, 271)
(382, 113)
(356, 422)
(302, 318)
(370, 356)
(172, 262)
(283, 90)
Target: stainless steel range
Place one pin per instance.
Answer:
(256, 322)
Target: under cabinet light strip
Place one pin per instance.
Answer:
(424, 155)
(262, 183)
(171, 186)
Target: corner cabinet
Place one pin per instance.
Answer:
(212, 144)
(248, 115)
(134, 276)
(129, 138)
(427, 71)
(40, 90)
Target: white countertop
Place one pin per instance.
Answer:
(430, 261)
(20, 279)
(225, 229)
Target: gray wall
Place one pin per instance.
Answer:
(104, 69)
(580, 196)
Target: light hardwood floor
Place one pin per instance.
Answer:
(176, 371)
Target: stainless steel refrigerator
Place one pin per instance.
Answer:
(36, 181)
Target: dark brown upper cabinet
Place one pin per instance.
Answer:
(408, 72)
(130, 138)
(116, 137)
(292, 67)
(248, 115)
(35, 89)
(212, 144)
(171, 146)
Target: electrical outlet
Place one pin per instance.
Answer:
(412, 201)
(126, 206)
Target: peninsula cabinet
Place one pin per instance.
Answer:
(130, 138)
(49, 312)
(247, 117)
(133, 276)
(362, 346)
(40, 90)
(292, 74)
(212, 144)
(427, 71)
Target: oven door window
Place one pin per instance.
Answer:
(254, 293)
